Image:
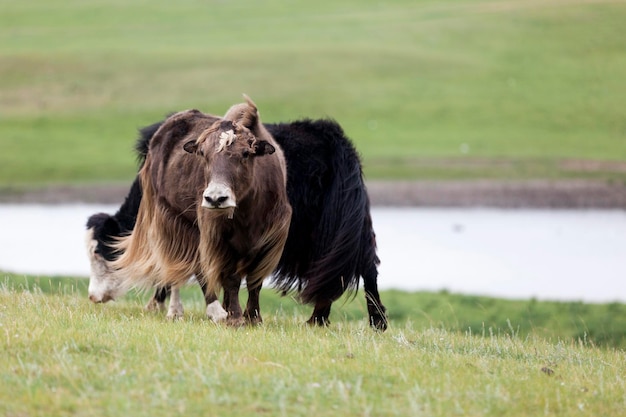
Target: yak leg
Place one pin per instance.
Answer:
(321, 312)
(375, 308)
(214, 310)
(231, 287)
(226, 301)
(157, 302)
(253, 310)
(175, 310)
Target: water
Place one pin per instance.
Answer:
(556, 255)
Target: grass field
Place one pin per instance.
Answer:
(602, 325)
(522, 84)
(63, 355)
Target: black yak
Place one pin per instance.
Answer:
(331, 241)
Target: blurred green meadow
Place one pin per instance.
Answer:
(426, 89)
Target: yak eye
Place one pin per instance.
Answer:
(245, 154)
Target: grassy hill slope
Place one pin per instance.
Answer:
(446, 89)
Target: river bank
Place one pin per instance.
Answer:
(537, 194)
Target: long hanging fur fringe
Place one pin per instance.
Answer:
(162, 249)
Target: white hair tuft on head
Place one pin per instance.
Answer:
(226, 139)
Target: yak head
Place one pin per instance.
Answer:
(230, 148)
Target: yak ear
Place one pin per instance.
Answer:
(263, 147)
(191, 146)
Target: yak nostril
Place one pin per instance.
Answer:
(98, 300)
(215, 202)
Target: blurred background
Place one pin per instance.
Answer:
(445, 90)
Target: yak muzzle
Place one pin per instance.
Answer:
(218, 196)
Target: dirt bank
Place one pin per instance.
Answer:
(488, 193)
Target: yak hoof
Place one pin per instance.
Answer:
(254, 320)
(216, 312)
(174, 316)
(378, 322)
(235, 321)
(154, 305)
(318, 321)
(175, 313)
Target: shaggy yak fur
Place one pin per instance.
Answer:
(214, 204)
(103, 230)
(331, 241)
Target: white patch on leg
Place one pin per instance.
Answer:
(175, 310)
(104, 283)
(215, 312)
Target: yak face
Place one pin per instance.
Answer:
(104, 284)
(229, 150)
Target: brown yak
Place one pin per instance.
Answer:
(214, 204)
